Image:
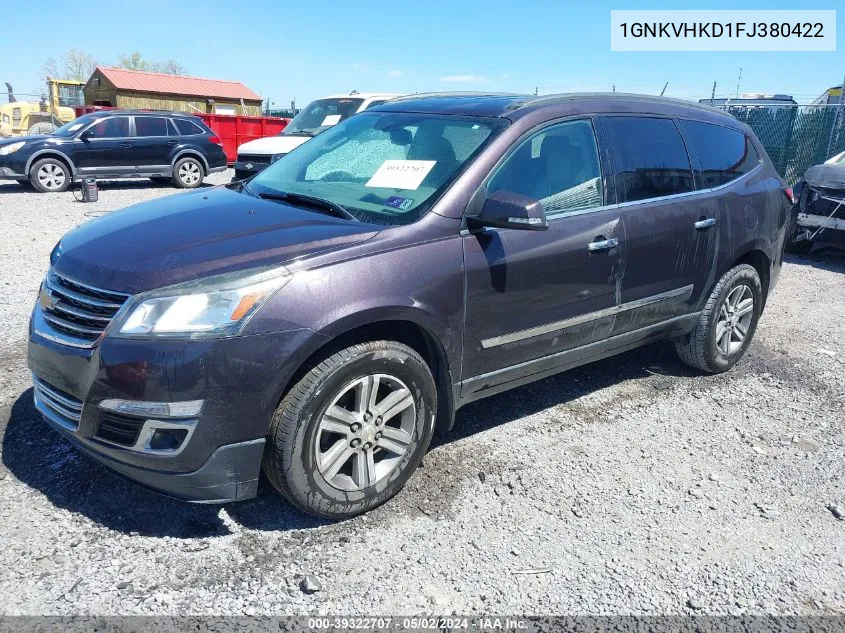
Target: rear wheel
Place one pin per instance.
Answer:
(727, 323)
(49, 174)
(350, 432)
(188, 173)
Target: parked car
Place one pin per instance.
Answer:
(318, 116)
(836, 160)
(320, 320)
(818, 214)
(164, 147)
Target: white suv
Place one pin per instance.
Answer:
(316, 117)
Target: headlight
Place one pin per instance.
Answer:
(12, 147)
(276, 157)
(215, 307)
(56, 253)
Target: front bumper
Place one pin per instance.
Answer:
(239, 381)
(7, 173)
(245, 168)
(229, 474)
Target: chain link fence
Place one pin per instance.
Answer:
(796, 137)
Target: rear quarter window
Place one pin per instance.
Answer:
(188, 128)
(649, 156)
(724, 154)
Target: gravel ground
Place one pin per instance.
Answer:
(630, 486)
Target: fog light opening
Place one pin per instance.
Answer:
(167, 439)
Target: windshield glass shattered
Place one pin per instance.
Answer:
(384, 168)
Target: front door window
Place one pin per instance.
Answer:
(558, 166)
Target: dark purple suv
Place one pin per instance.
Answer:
(321, 320)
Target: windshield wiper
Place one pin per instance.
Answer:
(301, 133)
(310, 201)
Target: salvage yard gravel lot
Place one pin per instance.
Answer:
(633, 485)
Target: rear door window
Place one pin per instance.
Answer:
(150, 126)
(188, 128)
(724, 154)
(649, 156)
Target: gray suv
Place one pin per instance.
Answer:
(320, 321)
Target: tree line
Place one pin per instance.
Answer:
(78, 65)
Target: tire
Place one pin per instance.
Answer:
(188, 173)
(711, 350)
(49, 175)
(297, 459)
(161, 180)
(799, 248)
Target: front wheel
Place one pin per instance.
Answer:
(350, 432)
(188, 173)
(49, 175)
(727, 323)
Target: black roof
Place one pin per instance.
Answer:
(515, 106)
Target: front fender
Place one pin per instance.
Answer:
(422, 284)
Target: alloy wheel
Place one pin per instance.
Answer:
(734, 320)
(51, 176)
(365, 431)
(189, 173)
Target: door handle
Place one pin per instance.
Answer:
(172, 143)
(126, 144)
(704, 223)
(600, 243)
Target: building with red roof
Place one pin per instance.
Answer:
(137, 89)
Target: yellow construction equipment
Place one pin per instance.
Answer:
(55, 108)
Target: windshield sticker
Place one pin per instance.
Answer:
(401, 174)
(331, 119)
(398, 202)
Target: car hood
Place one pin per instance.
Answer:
(193, 235)
(273, 145)
(17, 139)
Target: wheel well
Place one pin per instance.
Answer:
(761, 264)
(58, 157)
(408, 333)
(192, 154)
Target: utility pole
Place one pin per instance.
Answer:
(713, 94)
(738, 81)
(666, 85)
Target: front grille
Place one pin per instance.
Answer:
(119, 429)
(80, 311)
(258, 159)
(56, 404)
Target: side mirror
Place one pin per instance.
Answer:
(508, 210)
(85, 135)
